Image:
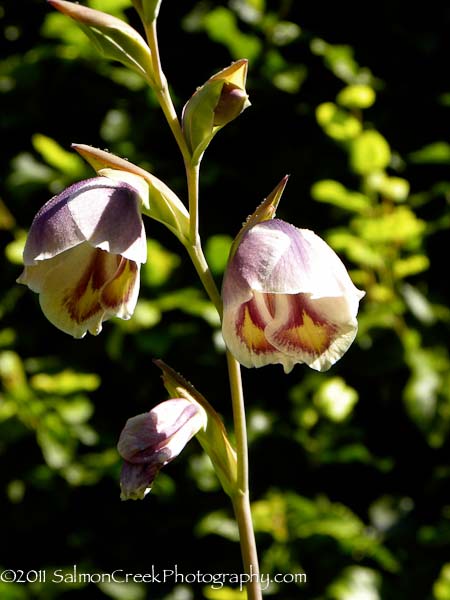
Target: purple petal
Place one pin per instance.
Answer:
(276, 257)
(100, 210)
(136, 480)
(169, 426)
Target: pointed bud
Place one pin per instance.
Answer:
(114, 38)
(151, 440)
(213, 438)
(264, 212)
(217, 102)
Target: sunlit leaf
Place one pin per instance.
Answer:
(336, 122)
(435, 153)
(54, 155)
(221, 26)
(356, 96)
(356, 583)
(400, 225)
(217, 249)
(441, 587)
(160, 265)
(218, 523)
(65, 382)
(336, 399)
(369, 152)
(333, 192)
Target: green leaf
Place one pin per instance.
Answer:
(356, 583)
(441, 587)
(66, 382)
(369, 152)
(356, 96)
(405, 267)
(67, 162)
(400, 226)
(333, 192)
(218, 523)
(435, 153)
(221, 26)
(394, 188)
(217, 250)
(336, 122)
(335, 399)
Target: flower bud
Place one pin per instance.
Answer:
(217, 102)
(213, 438)
(232, 101)
(151, 440)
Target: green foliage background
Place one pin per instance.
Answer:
(350, 469)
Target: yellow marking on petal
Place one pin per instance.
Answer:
(311, 336)
(82, 301)
(118, 290)
(252, 335)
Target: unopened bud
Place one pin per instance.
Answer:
(232, 101)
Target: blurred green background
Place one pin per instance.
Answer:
(350, 469)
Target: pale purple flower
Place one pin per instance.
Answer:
(151, 440)
(83, 255)
(288, 299)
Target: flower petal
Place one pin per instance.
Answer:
(107, 214)
(276, 257)
(304, 331)
(99, 210)
(119, 296)
(136, 480)
(167, 427)
(70, 290)
(244, 332)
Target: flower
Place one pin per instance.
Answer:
(151, 440)
(83, 255)
(287, 299)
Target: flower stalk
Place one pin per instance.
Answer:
(240, 496)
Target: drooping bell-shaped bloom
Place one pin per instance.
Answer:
(151, 440)
(83, 255)
(287, 299)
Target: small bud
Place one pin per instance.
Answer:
(232, 101)
(217, 102)
(151, 440)
(213, 438)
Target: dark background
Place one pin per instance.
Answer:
(362, 500)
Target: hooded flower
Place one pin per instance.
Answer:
(83, 255)
(153, 439)
(287, 299)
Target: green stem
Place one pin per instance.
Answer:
(240, 498)
(162, 92)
